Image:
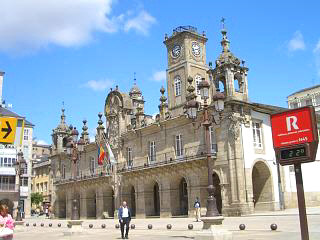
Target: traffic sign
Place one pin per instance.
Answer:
(8, 127)
(295, 135)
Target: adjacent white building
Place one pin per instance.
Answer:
(8, 156)
(310, 171)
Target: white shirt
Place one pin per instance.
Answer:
(125, 212)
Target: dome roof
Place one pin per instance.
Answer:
(135, 89)
(62, 125)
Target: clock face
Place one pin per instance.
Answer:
(196, 49)
(176, 50)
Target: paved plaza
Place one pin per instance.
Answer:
(257, 228)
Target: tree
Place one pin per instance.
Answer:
(36, 198)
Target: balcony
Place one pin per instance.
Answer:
(168, 158)
(8, 187)
(140, 163)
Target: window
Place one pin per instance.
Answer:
(45, 187)
(38, 188)
(1, 162)
(257, 134)
(5, 162)
(24, 182)
(308, 102)
(177, 85)
(78, 168)
(152, 151)
(213, 140)
(63, 171)
(92, 165)
(197, 80)
(294, 105)
(318, 100)
(26, 134)
(41, 187)
(179, 147)
(129, 154)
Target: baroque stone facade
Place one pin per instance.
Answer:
(161, 162)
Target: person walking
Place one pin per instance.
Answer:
(197, 207)
(124, 215)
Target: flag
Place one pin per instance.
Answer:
(110, 156)
(101, 155)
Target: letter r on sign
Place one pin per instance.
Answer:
(292, 122)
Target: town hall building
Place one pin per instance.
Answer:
(162, 162)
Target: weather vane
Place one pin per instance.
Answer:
(222, 21)
(134, 77)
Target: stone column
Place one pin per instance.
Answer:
(165, 198)
(99, 203)
(69, 198)
(193, 193)
(83, 204)
(140, 201)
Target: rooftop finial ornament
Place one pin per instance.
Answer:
(134, 78)
(222, 22)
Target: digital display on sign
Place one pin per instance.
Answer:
(292, 127)
(293, 153)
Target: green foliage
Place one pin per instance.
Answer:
(36, 198)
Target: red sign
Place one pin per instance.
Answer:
(293, 127)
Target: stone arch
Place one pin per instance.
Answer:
(179, 196)
(108, 201)
(238, 83)
(221, 83)
(9, 203)
(217, 191)
(60, 205)
(262, 186)
(129, 195)
(152, 198)
(91, 203)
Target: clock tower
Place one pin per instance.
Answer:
(186, 51)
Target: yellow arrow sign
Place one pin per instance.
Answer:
(8, 127)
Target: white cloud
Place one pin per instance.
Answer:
(141, 23)
(27, 26)
(159, 76)
(99, 85)
(42, 142)
(296, 42)
(316, 52)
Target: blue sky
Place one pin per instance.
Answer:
(74, 51)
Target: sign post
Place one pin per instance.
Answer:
(295, 141)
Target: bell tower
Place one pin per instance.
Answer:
(186, 54)
(230, 73)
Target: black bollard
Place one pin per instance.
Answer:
(103, 226)
(133, 226)
(50, 224)
(59, 224)
(169, 226)
(117, 226)
(242, 226)
(90, 226)
(273, 226)
(149, 226)
(190, 226)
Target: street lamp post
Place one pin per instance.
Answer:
(19, 167)
(192, 108)
(74, 149)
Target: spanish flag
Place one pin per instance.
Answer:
(101, 155)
